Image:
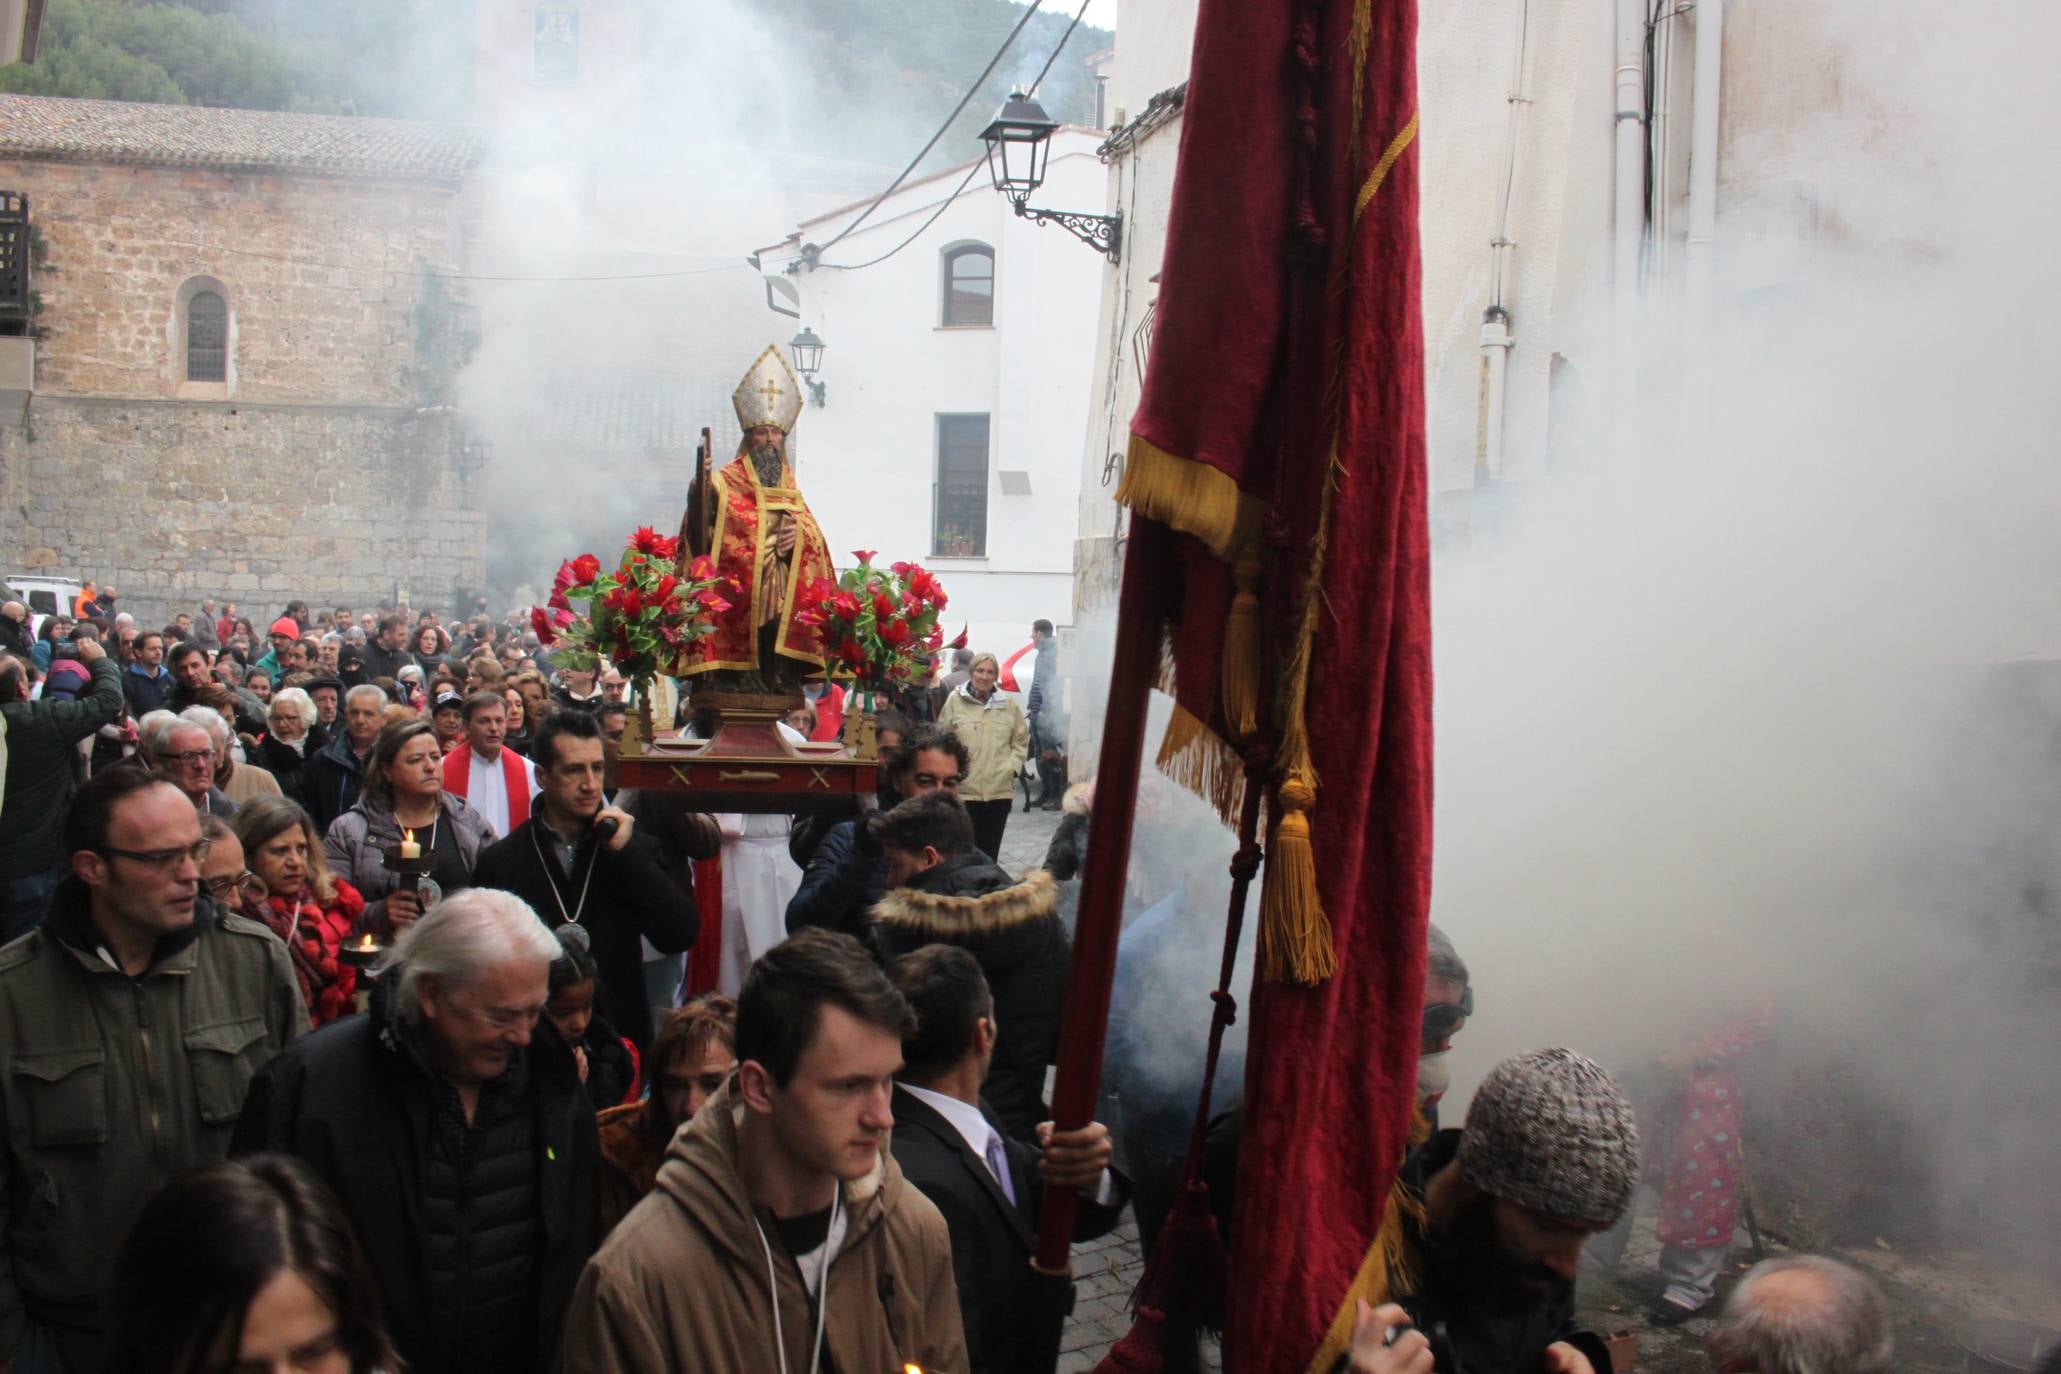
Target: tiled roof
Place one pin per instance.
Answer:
(129, 132)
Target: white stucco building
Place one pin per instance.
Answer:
(956, 376)
(1566, 133)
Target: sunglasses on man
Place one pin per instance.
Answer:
(1442, 1019)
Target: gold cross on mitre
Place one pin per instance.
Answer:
(769, 394)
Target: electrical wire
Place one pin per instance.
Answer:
(978, 81)
(971, 172)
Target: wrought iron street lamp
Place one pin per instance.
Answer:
(808, 360)
(1019, 144)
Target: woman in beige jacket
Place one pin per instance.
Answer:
(992, 726)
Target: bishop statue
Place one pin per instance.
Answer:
(750, 518)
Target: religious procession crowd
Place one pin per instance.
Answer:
(359, 1019)
(229, 1144)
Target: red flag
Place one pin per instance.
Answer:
(1281, 430)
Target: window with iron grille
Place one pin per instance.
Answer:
(555, 59)
(960, 514)
(207, 337)
(970, 284)
(14, 262)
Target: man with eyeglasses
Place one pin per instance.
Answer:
(451, 1123)
(136, 1016)
(185, 753)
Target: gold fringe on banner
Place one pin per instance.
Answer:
(1191, 497)
(1198, 500)
(1194, 757)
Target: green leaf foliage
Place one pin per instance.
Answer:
(870, 79)
(172, 54)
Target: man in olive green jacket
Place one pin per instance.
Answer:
(44, 769)
(132, 1022)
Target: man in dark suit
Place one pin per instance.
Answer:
(989, 1186)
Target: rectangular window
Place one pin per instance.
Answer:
(960, 508)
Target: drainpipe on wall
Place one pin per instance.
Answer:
(1495, 367)
(1702, 239)
(1629, 224)
(1496, 338)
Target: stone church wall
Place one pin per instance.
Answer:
(176, 501)
(326, 465)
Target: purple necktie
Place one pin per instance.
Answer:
(998, 1165)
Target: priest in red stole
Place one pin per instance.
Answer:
(749, 516)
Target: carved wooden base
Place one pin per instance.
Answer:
(748, 765)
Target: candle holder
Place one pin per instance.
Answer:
(411, 868)
(363, 952)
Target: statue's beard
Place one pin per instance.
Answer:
(765, 460)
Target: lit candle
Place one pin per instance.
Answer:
(410, 849)
(367, 943)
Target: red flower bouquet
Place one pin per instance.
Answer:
(880, 627)
(639, 616)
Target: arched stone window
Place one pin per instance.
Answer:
(969, 288)
(207, 337)
(555, 55)
(203, 340)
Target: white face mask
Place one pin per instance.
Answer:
(1434, 1076)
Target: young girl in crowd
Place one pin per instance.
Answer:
(691, 1058)
(608, 1063)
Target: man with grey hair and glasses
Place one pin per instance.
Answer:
(136, 1014)
(1803, 1314)
(185, 750)
(451, 1122)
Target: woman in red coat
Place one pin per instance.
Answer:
(305, 904)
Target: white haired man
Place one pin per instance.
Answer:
(451, 1122)
(1803, 1314)
(238, 781)
(184, 749)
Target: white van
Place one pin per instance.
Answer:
(44, 596)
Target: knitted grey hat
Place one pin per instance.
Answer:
(1550, 1131)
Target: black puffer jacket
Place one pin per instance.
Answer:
(478, 1234)
(1013, 929)
(480, 1225)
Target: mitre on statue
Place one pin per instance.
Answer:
(769, 394)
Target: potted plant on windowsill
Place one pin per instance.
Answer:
(955, 542)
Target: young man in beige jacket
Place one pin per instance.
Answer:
(782, 1235)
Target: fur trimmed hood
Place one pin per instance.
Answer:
(956, 914)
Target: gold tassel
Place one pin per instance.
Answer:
(1295, 935)
(1241, 650)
